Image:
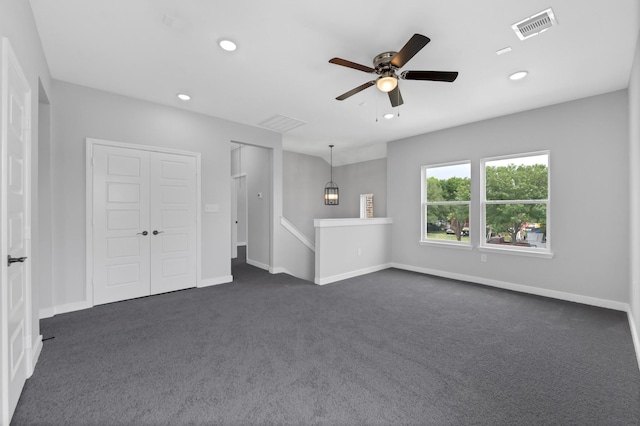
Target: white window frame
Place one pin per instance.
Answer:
(465, 245)
(517, 250)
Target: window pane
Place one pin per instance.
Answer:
(523, 178)
(449, 183)
(447, 222)
(517, 224)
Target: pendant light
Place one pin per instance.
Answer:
(331, 192)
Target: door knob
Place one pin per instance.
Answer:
(143, 233)
(157, 232)
(11, 260)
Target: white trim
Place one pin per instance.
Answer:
(570, 297)
(634, 334)
(208, 282)
(517, 251)
(280, 270)
(296, 233)
(448, 244)
(71, 307)
(351, 274)
(33, 354)
(90, 143)
(258, 264)
(330, 223)
(241, 244)
(46, 313)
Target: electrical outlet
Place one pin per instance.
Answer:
(483, 258)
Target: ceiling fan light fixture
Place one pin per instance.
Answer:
(387, 83)
(389, 115)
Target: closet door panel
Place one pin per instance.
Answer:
(173, 222)
(121, 216)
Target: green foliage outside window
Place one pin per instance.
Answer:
(513, 183)
(455, 215)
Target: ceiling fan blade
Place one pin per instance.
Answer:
(447, 76)
(396, 97)
(350, 64)
(413, 46)
(356, 90)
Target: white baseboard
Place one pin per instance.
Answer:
(71, 307)
(634, 334)
(279, 270)
(33, 355)
(258, 264)
(215, 281)
(586, 300)
(46, 312)
(350, 274)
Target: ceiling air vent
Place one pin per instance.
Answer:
(535, 24)
(281, 123)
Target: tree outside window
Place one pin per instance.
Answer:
(515, 198)
(446, 199)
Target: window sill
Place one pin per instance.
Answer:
(447, 244)
(517, 252)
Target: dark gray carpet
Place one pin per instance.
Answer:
(389, 348)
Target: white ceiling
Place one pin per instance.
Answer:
(281, 65)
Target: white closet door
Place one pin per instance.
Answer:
(15, 224)
(121, 219)
(173, 222)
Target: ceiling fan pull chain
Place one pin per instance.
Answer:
(376, 109)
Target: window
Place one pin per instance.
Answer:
(446, 195)
(515, 203)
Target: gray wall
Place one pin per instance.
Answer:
(303, 180)
(634, 196)
(367, 177)
(588, 140)
(44, 211)
(256, 164)
(18, 25)
(305, 176)
(81, 112)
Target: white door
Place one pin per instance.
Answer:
(121, 265)
(173, 222)
(144, 223)
(15, 224)
(234, 218)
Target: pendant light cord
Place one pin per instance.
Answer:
(331, 146)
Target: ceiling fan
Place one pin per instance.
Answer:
(387, 63)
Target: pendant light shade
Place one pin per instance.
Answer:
(331, 191)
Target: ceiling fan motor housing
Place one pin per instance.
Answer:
(382, 62)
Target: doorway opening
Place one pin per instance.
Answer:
(251, 203)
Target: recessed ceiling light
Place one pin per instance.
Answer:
(389, 115)
(183, 97)
(228, 45)
(518, 75)
(504, 50)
